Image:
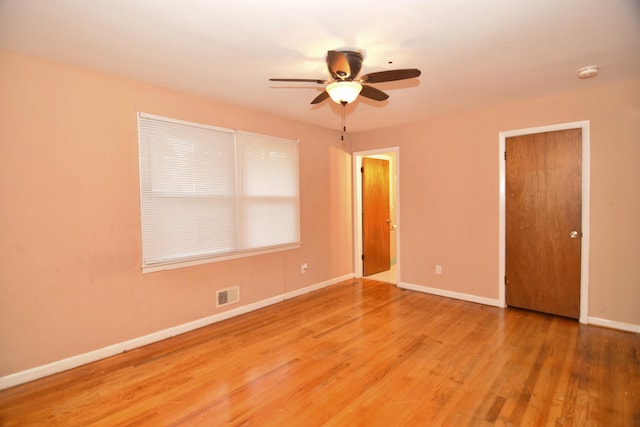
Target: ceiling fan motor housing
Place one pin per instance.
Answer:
(344, 65)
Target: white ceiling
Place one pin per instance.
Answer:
(470, 52)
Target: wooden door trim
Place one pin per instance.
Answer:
(357, 206)
(584, 262)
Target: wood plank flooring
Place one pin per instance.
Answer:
(360, 353)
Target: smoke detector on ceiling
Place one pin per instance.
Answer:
(588, 72)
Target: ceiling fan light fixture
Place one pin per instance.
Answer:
(344, 92)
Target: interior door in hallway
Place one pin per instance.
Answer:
(376, 221)
(543, 221)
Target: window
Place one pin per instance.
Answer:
(208, 193)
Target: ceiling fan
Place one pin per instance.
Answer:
(344, 67)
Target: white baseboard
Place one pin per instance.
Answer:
(317, 286)
(451, 294)
(612, 324)
(92, 356)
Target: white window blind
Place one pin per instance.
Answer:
(209, 193)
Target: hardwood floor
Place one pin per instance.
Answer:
(357, 353)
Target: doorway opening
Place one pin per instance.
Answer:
(391, 273)
(583, 126)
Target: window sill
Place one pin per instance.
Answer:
(170, 265)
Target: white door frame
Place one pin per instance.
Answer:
(584, 248)
(357, 206)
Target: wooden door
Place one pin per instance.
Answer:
(376, 220)
(543, 221)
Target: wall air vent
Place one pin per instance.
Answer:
(227, 296)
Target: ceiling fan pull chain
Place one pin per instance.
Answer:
(344, 125)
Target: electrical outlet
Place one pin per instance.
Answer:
(438, 269)
(304, 267)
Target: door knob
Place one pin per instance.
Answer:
(573, 234)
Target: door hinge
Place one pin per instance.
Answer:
(505, 155)
(362, 169)
(362, 257)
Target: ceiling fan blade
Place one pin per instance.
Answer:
(320, 82)
(318, 99)
(390, 75)
(373, 93)
(344, 65)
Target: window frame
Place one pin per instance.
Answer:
(239, 199)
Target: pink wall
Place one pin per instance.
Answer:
(449, 199)
(70, 280)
